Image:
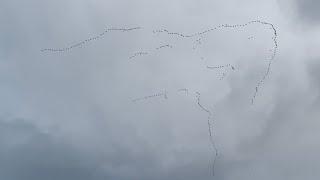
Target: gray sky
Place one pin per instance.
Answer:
(70, 116)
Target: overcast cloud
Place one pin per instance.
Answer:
(308, 10)
(70, 115)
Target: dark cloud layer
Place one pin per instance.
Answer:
(308, 10)
(28, 153)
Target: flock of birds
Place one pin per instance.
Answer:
(226, 68)
(210, 120)
(197, 41)
(141, 53)
(84, 42)
(210, 130)
(144, 53)
(159, 94)
(221, 66)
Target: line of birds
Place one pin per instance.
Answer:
(164, 46)
(212, 29)
(209, 118)
(270, 61)
(160, 94)
(88, 40)
(210, 130)
(143, 53)
(221, 66)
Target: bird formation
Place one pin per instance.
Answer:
(213, 29)
(210, 130)
(164, 46)
(270, 61)
(88, 40)
(160, 94)
(206, 110)
(223, 67)
(272, 57)
(164, 94)
(198, 41)
(171, 33)
(141, 53)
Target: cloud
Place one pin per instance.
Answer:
(28, 153)
(308, 10)
(71, 115)
(301, 12)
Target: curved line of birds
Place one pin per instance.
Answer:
(198, 41)
(159, 94)
(86, 41)
(210, 120)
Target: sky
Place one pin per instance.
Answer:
(134, 104)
